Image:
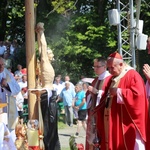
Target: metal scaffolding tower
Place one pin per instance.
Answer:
(128, 29)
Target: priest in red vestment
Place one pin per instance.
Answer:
(124, 119)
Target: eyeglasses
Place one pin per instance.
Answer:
(94, 67)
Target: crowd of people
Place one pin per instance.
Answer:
(73, 98)
(9, 51)
(113, 109)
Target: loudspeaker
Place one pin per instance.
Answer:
(114, 17)
(140, 25)
(141, 41)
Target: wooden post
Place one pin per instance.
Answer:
(30, 56)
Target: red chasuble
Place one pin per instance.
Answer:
(128, 118)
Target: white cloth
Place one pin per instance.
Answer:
(58, 88)
(22, 84)
(6, 142)
(6, 95)
(103, 75)
(13, 135)
(88, 80)
(19, 101)
(4, 118)
(13, 85)
(100, 92)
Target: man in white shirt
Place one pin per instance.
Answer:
(57, 85)
(23, 83)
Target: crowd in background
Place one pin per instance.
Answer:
(9, 51)
(73, 99)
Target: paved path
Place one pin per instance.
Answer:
(64, 135)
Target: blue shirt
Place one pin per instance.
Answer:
(67, 95)
(79, 98)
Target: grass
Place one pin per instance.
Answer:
(61, 125)
(61, 122)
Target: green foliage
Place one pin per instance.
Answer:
(76, 31)
(12, 20)
(76, 40)
(62, 6)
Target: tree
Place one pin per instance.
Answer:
(78, 36)
(76, 31)
(12, 20)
